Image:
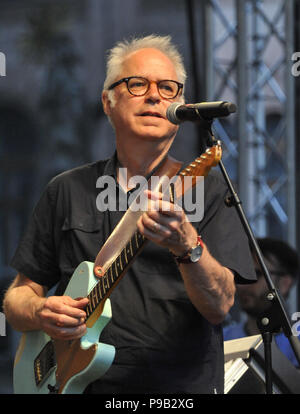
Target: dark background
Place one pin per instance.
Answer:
(51, 118)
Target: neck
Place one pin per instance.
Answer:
(142, 159)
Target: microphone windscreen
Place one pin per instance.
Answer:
(171, 113)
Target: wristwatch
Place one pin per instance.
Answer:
(193, 254)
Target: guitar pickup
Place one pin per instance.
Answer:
(44, 363)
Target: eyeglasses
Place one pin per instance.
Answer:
(138, 86)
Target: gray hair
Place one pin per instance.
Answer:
(122, 49)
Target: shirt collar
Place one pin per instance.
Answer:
(111, 166)
(113, 163)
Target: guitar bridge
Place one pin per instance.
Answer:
(44, 363)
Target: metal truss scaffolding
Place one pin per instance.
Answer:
(248, 49)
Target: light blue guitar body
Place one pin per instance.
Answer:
(66, 366)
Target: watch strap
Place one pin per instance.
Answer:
(185, 257)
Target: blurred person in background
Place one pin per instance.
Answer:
(283, 265)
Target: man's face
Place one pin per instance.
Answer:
(143, 117)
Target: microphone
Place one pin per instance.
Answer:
(178, 113)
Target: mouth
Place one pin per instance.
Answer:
(152, 114)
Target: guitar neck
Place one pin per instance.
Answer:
(113, 274)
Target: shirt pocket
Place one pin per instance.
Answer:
(85, 223)
(82, 238)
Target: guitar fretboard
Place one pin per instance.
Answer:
(113, 273)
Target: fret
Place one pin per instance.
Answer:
(125, 255)
(95, 293)
(96, 296)
(92, 299)
(171, 193)
(120, 262)
(105, 284)
(130, 245)
(111, 275)
(114, 271)
(102, 285)
(142, 239)
(136, 240)
(94, 306)
(101, 289)
(89, 308)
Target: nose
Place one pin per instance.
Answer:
(152, 94)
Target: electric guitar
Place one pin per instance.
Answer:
(44, 365)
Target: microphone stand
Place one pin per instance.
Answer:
(274, 318)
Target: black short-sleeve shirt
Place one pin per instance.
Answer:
(163, 344)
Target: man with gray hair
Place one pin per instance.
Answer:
(168, 309)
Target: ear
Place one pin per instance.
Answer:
(284, 284)
(106, 103)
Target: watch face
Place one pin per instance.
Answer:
(196, 254)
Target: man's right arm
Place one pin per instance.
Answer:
(26, 308)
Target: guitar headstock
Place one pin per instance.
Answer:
(200, 167)
(203, 164)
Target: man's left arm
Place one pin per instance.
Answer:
(209, 285)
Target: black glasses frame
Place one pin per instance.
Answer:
(113, 85)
